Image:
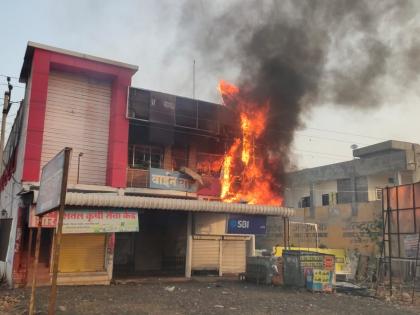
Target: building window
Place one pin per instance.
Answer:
(145, 156)
(325, 199)
(362, 189)
(344, 191)
(378, 193)
(305, 202)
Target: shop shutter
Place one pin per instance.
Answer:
(205, 254)
(233, 256)
(82, 252)
(77, 116)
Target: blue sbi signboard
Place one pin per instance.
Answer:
(247, 224)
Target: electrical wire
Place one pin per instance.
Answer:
(14, 85)
(10, 76)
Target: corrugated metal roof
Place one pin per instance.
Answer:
(117, 201)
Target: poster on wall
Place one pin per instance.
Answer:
(90, 221)
(247, 224)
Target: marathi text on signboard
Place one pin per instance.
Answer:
(162, 179)
(85, 221)
(247, 224)
(50, 186)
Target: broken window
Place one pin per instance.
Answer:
(145, 156)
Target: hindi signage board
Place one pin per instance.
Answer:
(90, 221)
(163, 179)
(247, 224)
(50, 186)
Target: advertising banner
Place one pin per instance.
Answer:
(163, 179)
(50, 186)
(247, 224)
(90, 221)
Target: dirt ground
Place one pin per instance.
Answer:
(195, 297)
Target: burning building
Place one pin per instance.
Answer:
(158, 184)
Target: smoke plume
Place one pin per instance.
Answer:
(299, 54)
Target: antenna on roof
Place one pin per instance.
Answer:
(194, 79)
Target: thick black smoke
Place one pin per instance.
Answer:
(298, 54)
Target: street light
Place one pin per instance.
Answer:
(78, 166)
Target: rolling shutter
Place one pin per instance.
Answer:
(205, 254)
(82, 253)
(233, 256)
(77, 116)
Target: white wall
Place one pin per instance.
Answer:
(321, 188)
(9, 200)
(377, 181)
(294, 194)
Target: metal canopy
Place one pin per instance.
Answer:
(116, 201)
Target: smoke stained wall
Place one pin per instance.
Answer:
(301, 54)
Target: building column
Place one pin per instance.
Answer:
(116, 175)
(167, 158)
(192, 157)
(188, 255)
(354, 206)
(312, 200)
(110, 248)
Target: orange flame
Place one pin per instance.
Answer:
(254, 184)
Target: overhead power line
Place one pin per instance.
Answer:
(347, 133)
(10, 76)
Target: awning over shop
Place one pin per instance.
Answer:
(116, 201)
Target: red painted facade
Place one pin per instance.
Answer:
(42, 63)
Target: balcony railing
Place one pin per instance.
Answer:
(137, 178)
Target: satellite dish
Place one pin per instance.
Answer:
(354, 146)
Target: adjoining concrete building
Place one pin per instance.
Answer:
(344, 199)
(132, 207)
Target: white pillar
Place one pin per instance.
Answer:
(188, 255)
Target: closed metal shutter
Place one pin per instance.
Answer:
(82, 252)
(77, 116)
(233, 256)
(205, 254)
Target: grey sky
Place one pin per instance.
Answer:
(145, 33)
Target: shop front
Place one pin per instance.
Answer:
(105, 239)
(222, 242)
(87, 246)
(157, 249)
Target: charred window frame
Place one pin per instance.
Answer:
(145, 156)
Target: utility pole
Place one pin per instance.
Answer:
(6, 107)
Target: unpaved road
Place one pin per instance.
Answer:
(195, 297)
